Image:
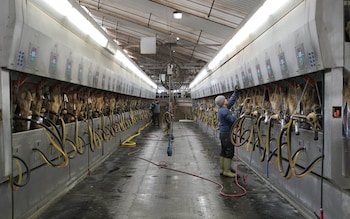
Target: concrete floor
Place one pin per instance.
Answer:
(131, 187)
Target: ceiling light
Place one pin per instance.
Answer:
(66, 9)
(177, 15)
(260, 17)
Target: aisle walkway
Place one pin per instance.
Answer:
(127, 187)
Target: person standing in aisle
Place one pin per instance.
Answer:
(156, 113)
(226, 120)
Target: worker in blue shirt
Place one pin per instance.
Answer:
(226, 120)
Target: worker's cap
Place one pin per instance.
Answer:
(219, 100)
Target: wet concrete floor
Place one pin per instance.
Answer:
(138, 187)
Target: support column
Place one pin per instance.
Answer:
(5, 125)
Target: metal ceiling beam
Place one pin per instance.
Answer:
(205, 26)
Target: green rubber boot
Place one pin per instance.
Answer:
(227, 168)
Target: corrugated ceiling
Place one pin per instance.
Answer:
(203, 29)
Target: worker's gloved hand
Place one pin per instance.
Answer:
(235, 91)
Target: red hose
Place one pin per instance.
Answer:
(164, 166)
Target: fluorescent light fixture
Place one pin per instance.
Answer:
(199, 77)
(81, 21)
(62, 7)
(132, 67)
(177, 15)
(66, 9)
(269, 8)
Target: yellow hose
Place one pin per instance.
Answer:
(72, 144)
(279, 149)
(292, 159)
(105, 129)
(260, 139)
(92, 145)
(111, 128)
(78, 140)
(60, 141)
(128, 142)
(60, 151)
(97, 139)
(94, 138)
(64, 139)
(19, 181)
(251, 134)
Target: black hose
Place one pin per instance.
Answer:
(27, 172)
(57, 138)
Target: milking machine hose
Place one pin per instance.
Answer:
(19, 183)
(59, 148)
(292, 158)
(94, 138)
